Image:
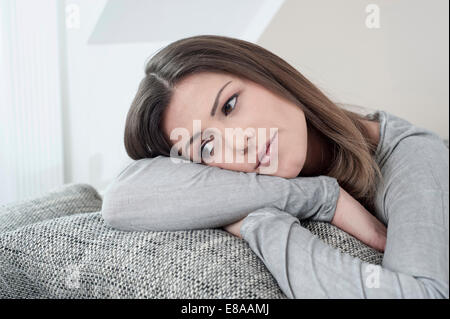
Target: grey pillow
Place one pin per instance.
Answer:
(58, 246)
(62, 201)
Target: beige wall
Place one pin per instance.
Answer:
(401, 67)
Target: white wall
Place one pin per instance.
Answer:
(402, 67)
(101, 83)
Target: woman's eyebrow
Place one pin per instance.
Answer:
(213, 112)
(216, 101)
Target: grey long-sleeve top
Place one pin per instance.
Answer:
(157, 194)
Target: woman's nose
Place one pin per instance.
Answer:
(240, 142)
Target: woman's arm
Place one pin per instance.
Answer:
(158, 194)
(355, 219)
(351, 217)
(306, 267)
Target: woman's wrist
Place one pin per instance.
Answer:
(353, 218)
(247, 224)
(333, 192)
(341, 207)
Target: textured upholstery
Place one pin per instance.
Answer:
(58, 246)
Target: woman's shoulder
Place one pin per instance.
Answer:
(373, 128)
(395, 130)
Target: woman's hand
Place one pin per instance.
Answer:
(235, 228)
(353, 218)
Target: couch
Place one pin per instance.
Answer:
(58, 246)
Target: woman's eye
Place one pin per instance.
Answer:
(209, 149)
(230, 105)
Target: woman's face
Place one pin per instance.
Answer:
(251, 114)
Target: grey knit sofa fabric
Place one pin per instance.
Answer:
(58, 246)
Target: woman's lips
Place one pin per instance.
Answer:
(264, 154)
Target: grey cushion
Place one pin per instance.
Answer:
(58, 246)
(66, 200)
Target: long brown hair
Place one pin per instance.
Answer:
(353, 164)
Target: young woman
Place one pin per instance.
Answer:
(357, 172)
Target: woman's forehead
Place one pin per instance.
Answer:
(187, 105)
(194, 96)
